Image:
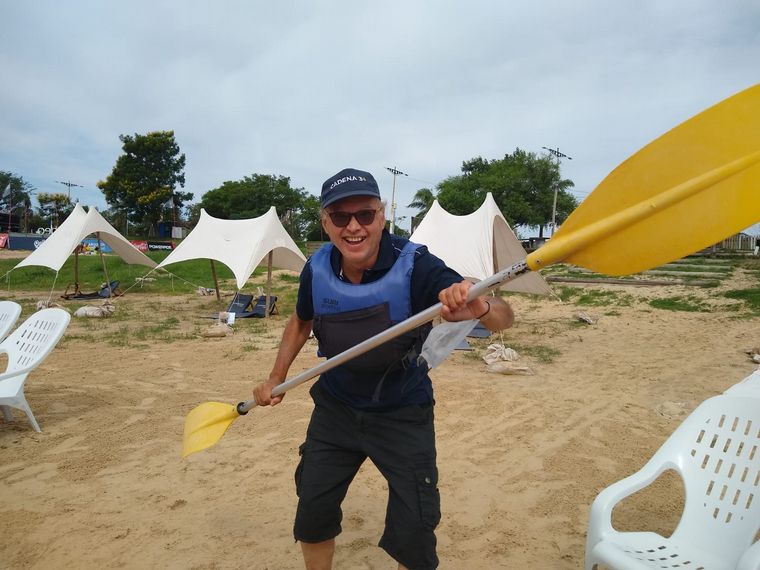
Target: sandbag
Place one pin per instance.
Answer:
(90, 311)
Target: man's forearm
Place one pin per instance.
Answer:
(499, 315)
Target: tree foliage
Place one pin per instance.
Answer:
(423, 200)
(144, 181)
(16, 196)
(522, 185)
(54, 207)
(255, 194)
(308, 220)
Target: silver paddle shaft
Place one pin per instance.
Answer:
(412, 322)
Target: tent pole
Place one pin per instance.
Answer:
(269, 285)
(76, 269)
(216, 282)
(103, 261)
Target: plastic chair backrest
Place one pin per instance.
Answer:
(716, 452)
(9, 313)
(33, 340)
(750, 386)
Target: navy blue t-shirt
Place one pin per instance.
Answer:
(429, 276)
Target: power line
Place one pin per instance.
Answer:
(433, 184)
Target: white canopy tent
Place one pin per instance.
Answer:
(477, 245)
(241, 245)
(55, 250)
(64, 241)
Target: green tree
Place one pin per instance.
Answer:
(423, 200)
(308, 220)
(460, 195)
(145, 178)
(254, 195)
(522, 184)
(54, 207)
(193, 212)
(16, 196)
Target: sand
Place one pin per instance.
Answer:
(521, 457)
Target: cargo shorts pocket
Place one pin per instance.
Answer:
(430, 498)
(299, 469)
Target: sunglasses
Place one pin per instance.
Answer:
(363, 217)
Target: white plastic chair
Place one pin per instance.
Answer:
(26, 348)
(750, 386)
(715, 451)
(9, 313)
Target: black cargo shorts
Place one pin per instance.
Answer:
(401, 444)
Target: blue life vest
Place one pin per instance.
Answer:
(346, 314)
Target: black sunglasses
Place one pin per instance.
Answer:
(342, 219)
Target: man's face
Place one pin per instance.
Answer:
(359, 244)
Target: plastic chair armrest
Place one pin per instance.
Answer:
(14, 373)
(600, 517)
(750, 560)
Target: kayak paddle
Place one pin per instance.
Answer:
(686, 190)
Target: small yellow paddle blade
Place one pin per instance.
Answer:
(206, 424)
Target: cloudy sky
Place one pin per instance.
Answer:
(306, 88)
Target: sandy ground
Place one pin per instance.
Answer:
(521, 458)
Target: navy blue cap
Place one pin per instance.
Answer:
(348, 182)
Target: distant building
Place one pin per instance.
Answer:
(740, 242)
(533, 243)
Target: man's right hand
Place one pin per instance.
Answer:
(263, 393)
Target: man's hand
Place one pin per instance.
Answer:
(263, 393)
(455, 305)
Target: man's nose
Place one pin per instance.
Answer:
(353, 224)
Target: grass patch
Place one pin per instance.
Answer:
(189, 274)
(543, 354)
(566, 294)
(689, 304)
(287, 278)
(594, 298)
(751, 298)
(687, 268)
(605, 298)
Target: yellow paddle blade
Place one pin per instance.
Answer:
(205, 425)
(689, 189)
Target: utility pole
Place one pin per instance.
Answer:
(395, 173)
(560, 156)
(69, 185)
(9, 193)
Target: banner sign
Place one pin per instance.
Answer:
(160, 246)
(3, 239)
(25, 242)
(91, 246)
(141, 245)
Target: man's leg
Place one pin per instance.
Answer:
(318, 555)
(403, 449)
(329, 461)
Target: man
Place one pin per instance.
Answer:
(378, 405)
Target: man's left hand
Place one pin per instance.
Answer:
(455, 305)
